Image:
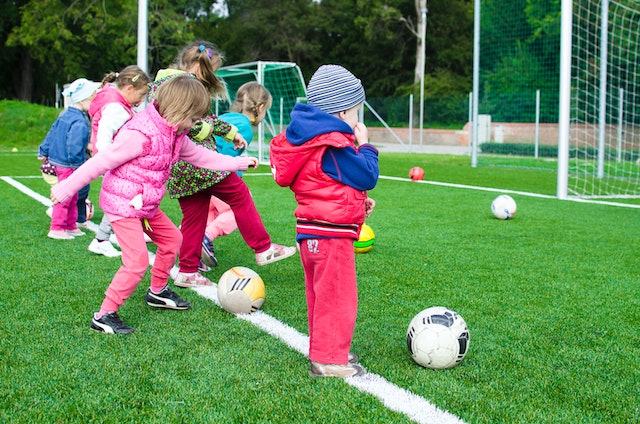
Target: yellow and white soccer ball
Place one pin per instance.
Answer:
(241, 290)
(366, 240)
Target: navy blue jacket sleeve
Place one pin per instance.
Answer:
(357, 169)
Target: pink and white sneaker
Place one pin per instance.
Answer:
(274, 253)
(194, 279)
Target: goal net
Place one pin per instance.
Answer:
(604, 126)
(284, 81)
(517, 117)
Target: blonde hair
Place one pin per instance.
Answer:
(249, 97)
(182, 97)
(210, 59)
(131, 75)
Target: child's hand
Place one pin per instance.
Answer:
(253, 162)
(369, 204)
(239, 142)
(42, 159)
(362, 134)
(54, 200)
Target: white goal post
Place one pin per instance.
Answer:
(599, 118)
(284, 81)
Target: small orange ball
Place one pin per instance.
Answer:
(416, 173)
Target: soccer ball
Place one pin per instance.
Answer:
(241, 290)
(416, 173)
(89, 208)
(438, 338)
(503, 207)
(366, 240)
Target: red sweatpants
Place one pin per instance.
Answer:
(135, 257)
(195, 210)
(332, 297)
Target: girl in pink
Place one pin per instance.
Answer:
(194, 186)
(136, 167)
(109, 111)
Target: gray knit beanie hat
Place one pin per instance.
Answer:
(334, 89)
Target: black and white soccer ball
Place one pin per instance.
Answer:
(438, 338)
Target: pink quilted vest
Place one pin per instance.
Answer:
(147, 174)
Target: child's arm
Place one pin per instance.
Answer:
(129, 146)
(114, 116)
(43, 150)
(355, 168)
(205, 158)
(213, 125)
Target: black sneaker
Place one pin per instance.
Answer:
(167, 298)
(111, 323)
(208, 254)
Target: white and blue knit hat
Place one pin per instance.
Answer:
(80, 90)
(334, 89)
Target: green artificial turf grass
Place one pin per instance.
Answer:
(550, 299)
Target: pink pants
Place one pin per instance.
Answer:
(135, 257)
(332, 297)
(195, 209)
(221, 220)
(65, 214)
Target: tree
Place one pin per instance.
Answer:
(58, 41)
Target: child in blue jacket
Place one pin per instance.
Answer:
(65, 147)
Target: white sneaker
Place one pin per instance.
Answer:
(60, 235)
(335, 370)
(274, 253)
(76, 233)
(194, 279)
(103, 248)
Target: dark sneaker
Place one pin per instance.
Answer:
(167, 299)
(111, 323)
(353, 358)
(335, 370)
(203, 268)
(208, 254)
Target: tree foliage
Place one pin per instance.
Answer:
(55, 41)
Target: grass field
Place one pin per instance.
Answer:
(551, 299)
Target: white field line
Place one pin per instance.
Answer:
(393, 397)
(521, 193)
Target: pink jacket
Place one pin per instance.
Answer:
(138, 163)
(108, 94)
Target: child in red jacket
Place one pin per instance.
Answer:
(325, 159)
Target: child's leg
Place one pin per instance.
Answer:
(234, 192)
(332, 297)
(64, 214)
(221, 220)
(135, 261)
(81, 203)
(168, 238)
(194, 220)
(104, 230)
